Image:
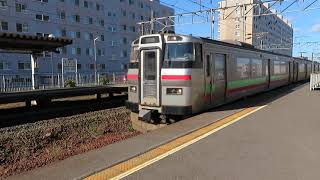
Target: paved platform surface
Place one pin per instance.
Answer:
(278, 142)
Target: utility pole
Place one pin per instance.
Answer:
(152, 22)
(211, 23)
(95, 60)
(52, 73)
(312, 69)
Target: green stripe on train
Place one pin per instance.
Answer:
(278, 77)
(246, 82)
(210, 88)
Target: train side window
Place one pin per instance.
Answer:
(208, 69)
(198, 55)
(220, 66)
(243, 68)
(302, 68)
(198, 52)
(280, 67)
(256, 67)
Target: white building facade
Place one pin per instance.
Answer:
(112, 22)
(255, 24)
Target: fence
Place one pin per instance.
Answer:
(314, 81)
(15, 83)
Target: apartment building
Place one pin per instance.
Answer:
(113, 23)
(246, 21)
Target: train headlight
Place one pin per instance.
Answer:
(133, 89)
(174, 38)
(174, 91)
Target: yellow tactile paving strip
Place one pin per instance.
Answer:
(130, 166)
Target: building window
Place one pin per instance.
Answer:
(89, 20)
(78, 34)
(124, 13)
(4, 25)
(85, 4)
(133, 29)
(24, 66)
(100, 22)
(20, 7)
(42, 17)
(124, 40)
(73, 34)
(59, 66)
(61, 33)
(101, 37)
(113, 43)
(98, 7)
(112, 29)
(124, 54)
(73, 51)
(22, 27)
(4, 65)
(62, 15)
(3, 3)
(63, 50)
(78, 51)
(76, 2)
(124, 27)
(76, 18)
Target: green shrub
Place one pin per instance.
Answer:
(105, 81)
(70, 83)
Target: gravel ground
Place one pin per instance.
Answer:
(34, 145)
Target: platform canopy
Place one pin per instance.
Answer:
(31, 43)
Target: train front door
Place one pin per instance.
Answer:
(218, 78)
(150, 77)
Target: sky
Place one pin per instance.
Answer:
(306, 24)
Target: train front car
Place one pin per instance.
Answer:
(164, 83)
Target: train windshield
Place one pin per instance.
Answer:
(179, 52)
(134, 58)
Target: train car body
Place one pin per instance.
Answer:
(174, 75)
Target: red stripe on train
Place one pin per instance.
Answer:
(133, 77)
(230, 91)
(177, 77)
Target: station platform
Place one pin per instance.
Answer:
(276, 140)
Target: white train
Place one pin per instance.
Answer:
(171, 75)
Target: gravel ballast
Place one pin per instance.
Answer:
(34, 145)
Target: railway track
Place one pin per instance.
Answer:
(62, 108)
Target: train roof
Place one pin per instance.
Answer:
(237, 44)
(247, 46)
